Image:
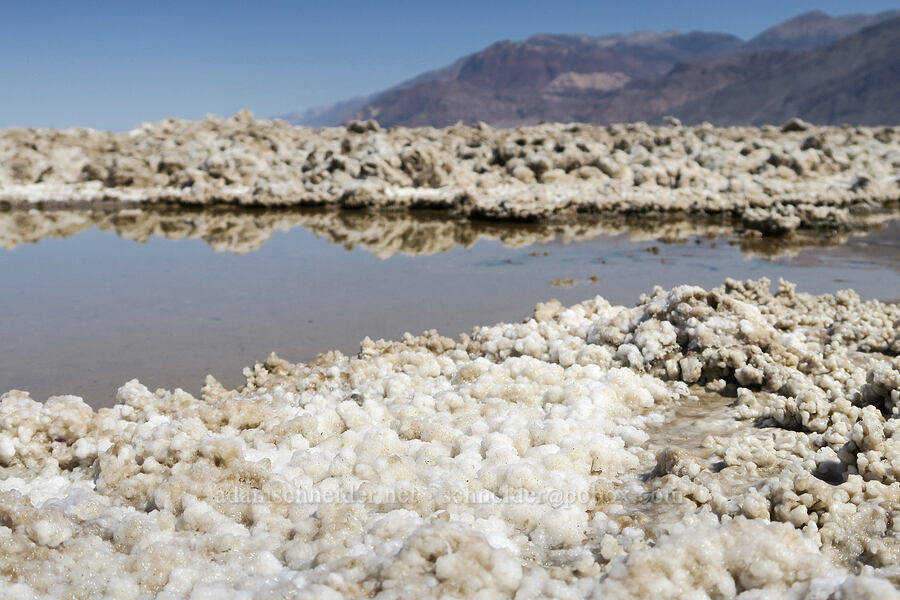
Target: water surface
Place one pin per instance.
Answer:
(91, 300)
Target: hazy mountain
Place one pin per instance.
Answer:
(547, 77)
(330, 114)
(649, 100)
(814, 29)
(855, 80)
(634, 77)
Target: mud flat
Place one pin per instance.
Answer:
(774, 180)
(718, 443)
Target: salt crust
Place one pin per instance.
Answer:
(774, 179)
(514, 462)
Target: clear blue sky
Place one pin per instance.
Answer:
(111, 65)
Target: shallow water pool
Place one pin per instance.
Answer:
(92, 299)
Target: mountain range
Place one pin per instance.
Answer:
(826, 69)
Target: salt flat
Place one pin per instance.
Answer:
(723, 440)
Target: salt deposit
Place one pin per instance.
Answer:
(529, 460)
(774, 180)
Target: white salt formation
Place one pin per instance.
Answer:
(774, 180)
(527, 460)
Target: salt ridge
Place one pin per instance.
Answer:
(775, 180)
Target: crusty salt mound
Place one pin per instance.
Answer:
(704, 444)
(774, 180)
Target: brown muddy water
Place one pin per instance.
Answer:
(91, 299)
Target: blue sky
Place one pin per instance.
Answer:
(111, 65)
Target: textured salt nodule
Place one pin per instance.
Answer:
(775, 180)
(517, 461)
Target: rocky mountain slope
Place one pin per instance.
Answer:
(544, 77)
(855, 80)
(814, 29)
(644, 75)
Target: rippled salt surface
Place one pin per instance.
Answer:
(87, 308)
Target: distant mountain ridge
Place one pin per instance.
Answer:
(695, 76)
(855, 80)
(330, 114)
(814, 29)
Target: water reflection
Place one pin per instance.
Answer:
(86, 309)
(386, 234)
